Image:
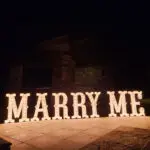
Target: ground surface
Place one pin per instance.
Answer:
(122, 138)
(65, 134)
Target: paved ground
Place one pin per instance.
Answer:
(67, 134)
(122, 138)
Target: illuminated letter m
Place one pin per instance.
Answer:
(12, 108)
(119, 107)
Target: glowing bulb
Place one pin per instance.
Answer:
(12, 108)
(120, 107)
(142, 111)
(93, 102)
(57, 106)
(76, 105)
(41, 101)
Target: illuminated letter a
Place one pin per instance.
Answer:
(41, 102)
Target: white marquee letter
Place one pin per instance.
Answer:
(118, 107)
(41, 101)
(76, 105)
(93, 102)
(12, 108)
(57, 106)
(134, 103)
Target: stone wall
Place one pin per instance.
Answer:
(94, 76)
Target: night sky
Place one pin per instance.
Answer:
(123, 26)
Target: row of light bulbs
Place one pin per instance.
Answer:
(115, 107)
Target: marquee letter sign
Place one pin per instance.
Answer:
(119, 108)
(76, 103)
(93, 102)
(12, 108)
(134, 103)
(41, 101)
(57, 106)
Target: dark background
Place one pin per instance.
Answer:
(123, 28)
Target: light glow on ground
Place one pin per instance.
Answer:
(67, 134)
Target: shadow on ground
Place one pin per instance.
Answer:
(122, 138)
